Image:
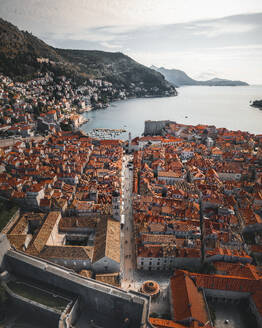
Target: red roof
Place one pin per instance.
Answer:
(188, 301)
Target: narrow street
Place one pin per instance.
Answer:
(130, 277)
(127, 241)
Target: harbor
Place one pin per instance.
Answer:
(227, 107)
(106, 133)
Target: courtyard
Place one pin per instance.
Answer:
(228, 315)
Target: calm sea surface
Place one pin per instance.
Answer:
(220, 106)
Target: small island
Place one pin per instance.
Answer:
(257, 104)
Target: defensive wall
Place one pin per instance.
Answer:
(12, 141)
(4, 247)
(116, 305)
(155, 127)
(45, 313)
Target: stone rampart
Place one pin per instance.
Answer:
(45, 312)
(4, 247)
(154, 127)
(115, 304)
(69, 315)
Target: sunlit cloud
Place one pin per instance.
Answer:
(200, 37)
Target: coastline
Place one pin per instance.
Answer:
(219, 107)
(79, 128)
(255, 106)
(128, 98)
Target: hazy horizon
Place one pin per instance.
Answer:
(206, 39)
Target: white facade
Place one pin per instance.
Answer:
(155, 263)
(165, 263)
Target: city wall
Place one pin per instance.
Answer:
(12, 141)
(69, 316)
(155, 127)
(4, 247)
(34, 308)
(115, 304)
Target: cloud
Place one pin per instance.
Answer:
(110, 45)
(214, 29)
(196, 36)
(90, 13)
(226, 46)
(238, 24)
(246, 47)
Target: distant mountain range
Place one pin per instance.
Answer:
(180, 78)
(23, 56)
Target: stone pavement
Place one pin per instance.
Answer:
(131, 278)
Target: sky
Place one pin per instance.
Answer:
(204, 38)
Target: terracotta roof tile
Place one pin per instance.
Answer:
(188, 301)
(107, 240)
